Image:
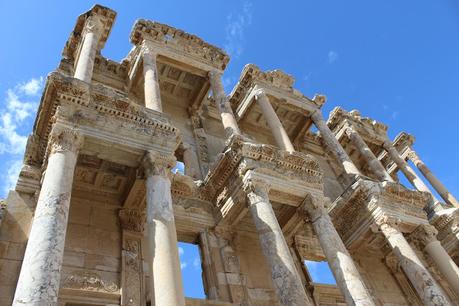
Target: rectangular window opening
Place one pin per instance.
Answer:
(320, 272)
(190, 264)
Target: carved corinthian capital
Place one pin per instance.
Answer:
(156, 163)
(315, 206)
(256, 191)
(423, 235)
(93, 25)
(387, 224)
(63, 139)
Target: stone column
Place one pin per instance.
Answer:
(332, 143)
(151, 79)
(166, 279)
(346, 274)
(426, 237)
(279, 133)
(373, 163)
(285, 277)
(190, 159)
(90, 41)
(40, 274)
(439, 187)
(223, 105)
(423, 282)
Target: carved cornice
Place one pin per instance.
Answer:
(241, 155)
(179, 41)
(96, 101)
(98, 18)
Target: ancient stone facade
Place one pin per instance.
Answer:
(97, 213)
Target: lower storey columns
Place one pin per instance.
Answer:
(425, 285)
(285, 277)
(426, 238)
(39, 278)
(166, 279)
(346, 274)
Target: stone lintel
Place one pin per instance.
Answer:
(178, 44)
(104, 15)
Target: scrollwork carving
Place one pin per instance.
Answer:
(85, 280)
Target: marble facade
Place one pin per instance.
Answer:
(96, 213)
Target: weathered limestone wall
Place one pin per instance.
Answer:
(92, 250)
(14, 232)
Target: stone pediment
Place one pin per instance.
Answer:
(362, 203)
(178, 41)
(99, 111)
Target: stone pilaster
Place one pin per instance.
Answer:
(332, 143)
(425, 237)
(226, 113)
(286, 279)
(346, 274)
(40, 274)
(280, 134)
(166, 281)
(373, 163)
(433, 180)
(425, 285)
(89, 48)
(151, 79)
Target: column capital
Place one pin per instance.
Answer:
(155, 163)
(147, 48)
(413, 156)
(93, 25)
(317, 115)
(386, 224)
(424, 234)
(260, 93)
(256, 190)
(213, 74)
(315, 206)
(64, 139)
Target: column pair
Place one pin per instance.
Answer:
(425, 285)
(166, 285)
(40, 274)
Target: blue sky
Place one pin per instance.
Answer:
(395, 61)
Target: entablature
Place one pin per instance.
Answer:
(356, 210)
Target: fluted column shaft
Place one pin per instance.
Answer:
(285, 277)
(164, 264)
(226, 113)
(151, 80)
(373, 163)
(425, 285)
(439, 187)
(40, 274)
(340, 261)
(426, 236)
(332, 143)
(279, 133)
(85, 64)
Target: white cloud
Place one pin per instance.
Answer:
(332, 56)
(235, 28)
(183, 265)
(31, 87)
(15, 122)
(180, 251)
(196, 262)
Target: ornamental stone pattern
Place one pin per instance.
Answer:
(97, 211)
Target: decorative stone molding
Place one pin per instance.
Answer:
(89, 281)
(315, 207)
(156, 163)
(179, 41)
(132, 219)
(388, 224)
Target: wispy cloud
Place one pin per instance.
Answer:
(236, 24)
(19, 108)
(332, 56)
